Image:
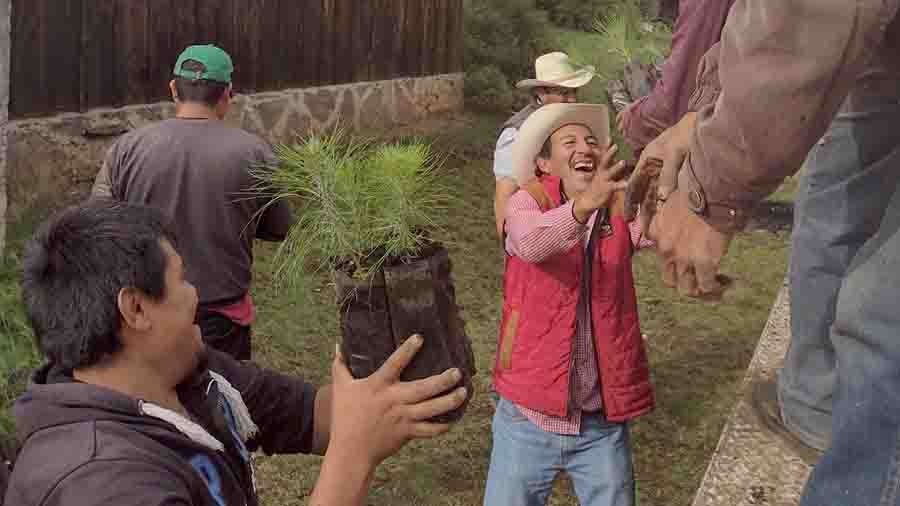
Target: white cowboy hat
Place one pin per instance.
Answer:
(556, 70)
(544, 122)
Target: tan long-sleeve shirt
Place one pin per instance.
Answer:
(768, 91)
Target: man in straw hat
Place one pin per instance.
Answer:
(571, 369)
(557, 81)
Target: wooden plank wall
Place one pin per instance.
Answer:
(74, 55)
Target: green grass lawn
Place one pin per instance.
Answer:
(698, 353)
(17, 350)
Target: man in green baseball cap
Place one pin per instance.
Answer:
(216, 64)
(197, 170)
(202, 79)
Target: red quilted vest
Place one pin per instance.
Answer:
(535, 356)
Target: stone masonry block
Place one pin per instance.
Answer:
(50, 162)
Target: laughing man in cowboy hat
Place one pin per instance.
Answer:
(571, 369)
(557, 80)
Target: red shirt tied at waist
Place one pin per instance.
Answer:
(242, 312)
(551, 364)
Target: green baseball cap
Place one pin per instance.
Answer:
(217, 62)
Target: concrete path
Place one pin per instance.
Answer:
(749, 467)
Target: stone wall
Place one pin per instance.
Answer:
(52, 161)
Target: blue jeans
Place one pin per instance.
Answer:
(841, 379)
(850, 177)
(525, 460)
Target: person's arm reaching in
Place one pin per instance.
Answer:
(760, 128)
(697, 28)
(373, 418)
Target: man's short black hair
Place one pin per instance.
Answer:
(203, 91)
(74, 268)
(546, 149)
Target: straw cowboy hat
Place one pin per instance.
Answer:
(556, 70)
(548, 119)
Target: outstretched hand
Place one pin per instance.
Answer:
(372, 418)
(690, 250)
(376, 416)
(605, 183)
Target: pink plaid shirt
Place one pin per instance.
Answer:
(534, 235)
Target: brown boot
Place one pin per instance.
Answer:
(764, 404)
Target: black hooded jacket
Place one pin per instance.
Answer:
(84, 445)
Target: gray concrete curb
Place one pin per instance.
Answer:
(749, 466)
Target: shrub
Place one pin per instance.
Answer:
(624, 38)
(576, 14)
(502, 39)
(582, 14)
(628, 35)
(488, 88)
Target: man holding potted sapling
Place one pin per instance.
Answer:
(132, 408)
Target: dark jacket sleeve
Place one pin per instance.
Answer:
(282, 406)
(120, 483)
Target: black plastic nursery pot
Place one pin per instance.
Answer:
(380, 312)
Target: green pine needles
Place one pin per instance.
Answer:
(625, 34)
(621, 37)
(358, 205)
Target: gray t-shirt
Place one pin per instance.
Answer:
(198, 173)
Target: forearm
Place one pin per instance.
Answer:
(344, 479)
(644, 120)
(505, 188)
